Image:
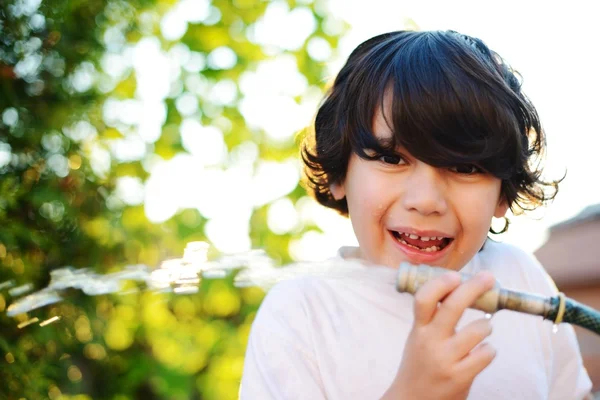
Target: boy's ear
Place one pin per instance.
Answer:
(501, 208)
(337, 190)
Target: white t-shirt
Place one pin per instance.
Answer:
(343, 338)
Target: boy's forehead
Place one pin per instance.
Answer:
(383, 116)
(381, 125)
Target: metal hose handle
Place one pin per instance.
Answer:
(410, 278)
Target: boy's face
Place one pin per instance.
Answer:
(403, 209)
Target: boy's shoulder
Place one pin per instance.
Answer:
(291, 298)
(287, 293)
(503, 250)
(516, 268)
(320, 287)
(293, 308)
(283, 311)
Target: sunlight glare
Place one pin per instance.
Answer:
(282, 216)
(281, 28)
(204, 142)
(273, 180)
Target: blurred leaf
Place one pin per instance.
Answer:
(60, 204)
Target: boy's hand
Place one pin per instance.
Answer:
(439, 362)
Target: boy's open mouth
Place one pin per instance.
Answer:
(422, 243)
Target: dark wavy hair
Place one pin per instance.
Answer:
(454, 102)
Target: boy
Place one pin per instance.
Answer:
(423, 138)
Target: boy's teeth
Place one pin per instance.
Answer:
(423, 238)
(427, 249)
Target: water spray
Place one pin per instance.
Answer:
(255, 268)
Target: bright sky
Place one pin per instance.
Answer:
(552, 46)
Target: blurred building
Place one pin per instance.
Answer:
(572, 258)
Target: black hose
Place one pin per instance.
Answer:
(576, 314)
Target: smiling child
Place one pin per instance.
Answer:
(422, 140)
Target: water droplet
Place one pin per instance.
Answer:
(554, 328)
(488, 316)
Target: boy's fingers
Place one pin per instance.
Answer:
(469, 337)
(428, 296)
(476, 361)
(464, 296)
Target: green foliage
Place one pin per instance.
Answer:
(59, 203)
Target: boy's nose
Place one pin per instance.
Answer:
(425, 190)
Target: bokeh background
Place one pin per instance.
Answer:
(130, 128)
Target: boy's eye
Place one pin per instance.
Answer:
(390, 159)
(467, 169)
